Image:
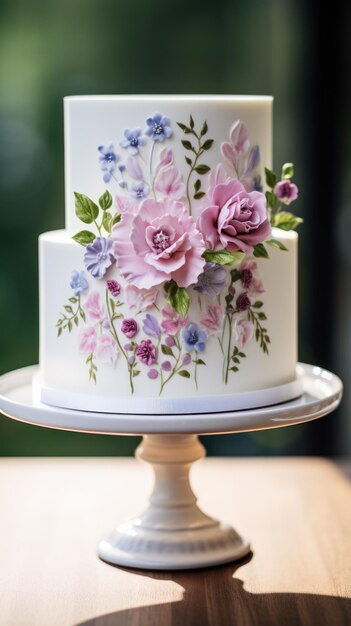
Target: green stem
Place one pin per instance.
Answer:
(115, 336)
(174, 371)
(229, 347)
(98, 227)
(195, 376)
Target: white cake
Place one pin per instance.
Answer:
(166, 293)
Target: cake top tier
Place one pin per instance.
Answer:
(142, 146)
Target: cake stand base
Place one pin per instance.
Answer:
(172, 533)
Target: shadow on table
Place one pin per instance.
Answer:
(214, 596)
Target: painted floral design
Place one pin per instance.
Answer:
(168, 260)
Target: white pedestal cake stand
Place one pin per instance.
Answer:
(172, 533)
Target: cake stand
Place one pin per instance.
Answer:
(173, 532)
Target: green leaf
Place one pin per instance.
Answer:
(199, 362)
(177, 297)
(258, 304)
(234, 368)
(136, 373)
(185, 128)
(271, 178)
(187, 145)
(260, 251)
(59, 331)
(271, 199)
(68, 308)
(204, 129)
(191, 122)
(197, 184)
(235, 275)
(223, 257)
(73, 299)
(76, 320)
(105, 200)
(262, 316)
(106, 221)
(116, 219)
(86, 210)
(166, 350)
(288, 170)
(202, 169)
(199, 195)
(207, 145)
(84, 237)
(276, 244)
(184, 373)
(189, 161)
(286, 220)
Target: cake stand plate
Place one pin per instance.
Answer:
(173, 532)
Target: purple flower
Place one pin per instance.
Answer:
(246, 277)
(186, 359)
(158, 127)
(78, 282)
(140, 190)
(152, 373)
(128, 347)
(166, 366)
(150, 326)
(114, 287)
(146, 352)
(99, 256)
(107, 160)
(243, 302)
(169, 341)
(129, 328)
(286, 191)
(132, 141)
(131, 359)
(194, 338)
(212, 280)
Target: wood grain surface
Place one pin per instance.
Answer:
(297, 513)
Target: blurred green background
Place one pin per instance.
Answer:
(55, 48)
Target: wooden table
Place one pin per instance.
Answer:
(297, 513)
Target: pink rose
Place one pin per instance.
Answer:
(237, 219)
(129, 328)
(93, 306)
(243, 331)
(87, 340)
(106, 349)
(173, 321)
(169, 183)
(213, 318)
(159, 243)
(146, 352)
(142, 299)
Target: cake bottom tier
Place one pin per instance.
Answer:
(111, 349)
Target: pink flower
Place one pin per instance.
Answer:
(173, 321)
(106, 349)
(114, 287)
(125, 204)
(166, 159)
(286, 191)
(243, 331)
(236, 220)
(87, 339)
(159, 243)
(93, 306)
(129, 328)
(142, 299)
(133, 168)
(213, 318)
(169, 183)
(216, 177)
(146, 352)
(249, 277)
(239, 144)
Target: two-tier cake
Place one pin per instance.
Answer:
(173, 288)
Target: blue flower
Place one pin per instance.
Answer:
(211, 281)
(132, 141)
(99, 256)
(78, 282)
(194, 338)
(107, 159)
(150, 326)
(158, 127)
(140, 190)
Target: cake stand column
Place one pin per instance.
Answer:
(173, 532)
